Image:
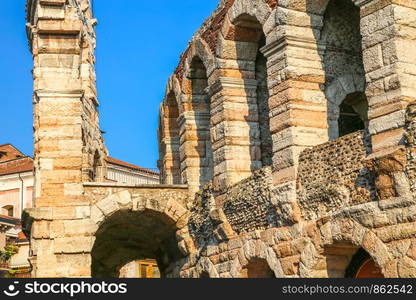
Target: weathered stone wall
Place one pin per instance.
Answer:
(411, 146)
(335, 175)
(68, 147)
(324, 200)
(248, 205)
(309, 214)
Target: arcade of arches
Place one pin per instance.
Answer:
(286, 148)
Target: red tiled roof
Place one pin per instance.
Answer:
(9, 152)
(21, 236)
(118, 162)
(15, 166)
(12, 161)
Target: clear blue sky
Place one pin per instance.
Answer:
(139, 44)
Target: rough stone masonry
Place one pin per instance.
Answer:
(286, 142)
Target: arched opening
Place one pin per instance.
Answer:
(250, 38)
(172, 142)
(353, 114)
(344, 69)
(204, 274)
(129, 237)
(345, 260)
(257, 268)
(363, 266)
(201, 156)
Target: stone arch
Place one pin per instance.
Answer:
(130, 229)
(252, 251)
(258, 9)
(348, 237)
(173, 87)
(338, 91)
(206, 269)
(343, 65)
(199, 48)
(310, 6)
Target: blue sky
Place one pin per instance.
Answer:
(139, 44)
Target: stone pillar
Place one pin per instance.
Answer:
(196, 162)
(235, 132)
(69, 148)
(169, 143)
(298, 106)
(388, 29)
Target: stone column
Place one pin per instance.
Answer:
(69, 147)
(195, 160)
(388, 30)
(235, 132)
(298, 106)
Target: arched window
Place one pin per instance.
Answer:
(344, 69)
(353, 114)
(345, 260)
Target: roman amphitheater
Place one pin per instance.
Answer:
(286, 142)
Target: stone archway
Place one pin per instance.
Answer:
(256, 258)
(139, 224)
(363, 266)
(128, 236)
(343, 241)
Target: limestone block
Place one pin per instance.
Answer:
(373, 58)
(82, 227)
(97, 215)
(41, 230)
(109, 205)
(124, 200)
(78, 244)
(82, 212)
(406, 268)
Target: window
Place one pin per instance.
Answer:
(8, 210)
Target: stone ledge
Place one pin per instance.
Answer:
(144, 186)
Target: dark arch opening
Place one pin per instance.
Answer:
(204, 274)
(257, 268)
(353, 113)
(202, 119)
(363, 266)
(129, 236)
